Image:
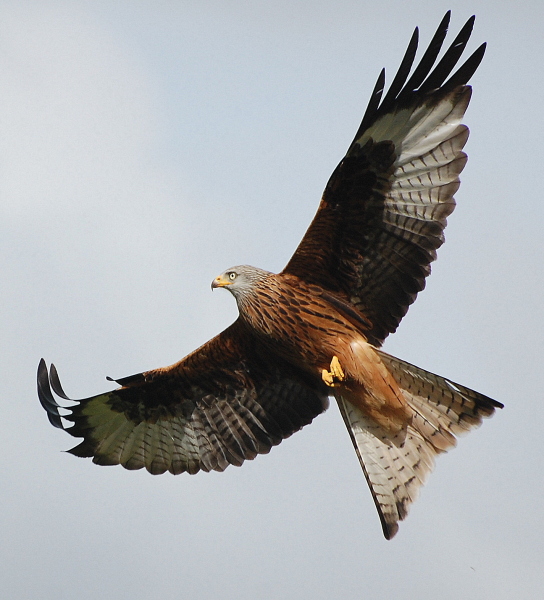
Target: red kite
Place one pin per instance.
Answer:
(315, 329)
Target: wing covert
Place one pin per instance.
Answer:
(384, 209)
(223, 404)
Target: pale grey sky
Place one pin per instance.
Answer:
(147, 146)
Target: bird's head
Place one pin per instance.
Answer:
(239, 280)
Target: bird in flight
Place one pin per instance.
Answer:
(315, 329)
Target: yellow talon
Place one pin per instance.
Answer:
(327, 378)
(336, 373)
(336, 370)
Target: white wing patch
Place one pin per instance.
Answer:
(428, 142)
(417, 130)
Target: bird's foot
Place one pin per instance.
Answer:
(335, 374)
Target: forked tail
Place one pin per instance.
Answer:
(396, 464)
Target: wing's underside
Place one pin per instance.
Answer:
(384, 209)
(223, 404)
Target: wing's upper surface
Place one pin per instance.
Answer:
(384, 209)
(223, 404)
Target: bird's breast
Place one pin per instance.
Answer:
(303, 328)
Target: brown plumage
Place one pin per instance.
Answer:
(315, 329)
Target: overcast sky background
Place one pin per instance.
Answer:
(147, 146)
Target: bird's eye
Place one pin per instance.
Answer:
(232, 275)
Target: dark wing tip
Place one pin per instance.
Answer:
(424, 79)
(467, 70)
(46, 397)
(55, 383)
(449, 60)
(373, 105)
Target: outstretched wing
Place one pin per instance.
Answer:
(225, 403)
(384, 209)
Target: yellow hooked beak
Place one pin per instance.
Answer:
(221, 281)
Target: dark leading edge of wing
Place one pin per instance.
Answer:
(384, 209)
